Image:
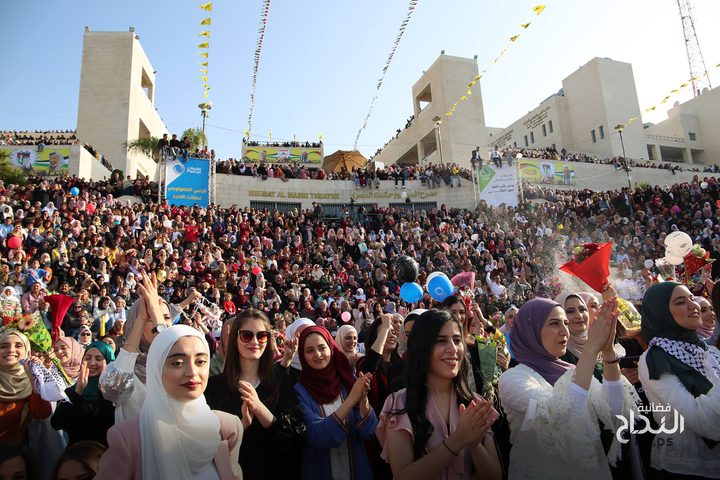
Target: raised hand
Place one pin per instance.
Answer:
(599, 335)
(360, 388)
(82, 380)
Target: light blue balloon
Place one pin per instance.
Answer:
(440, 288)
(75, 191)
(411, 292)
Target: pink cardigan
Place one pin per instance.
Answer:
(123, 460)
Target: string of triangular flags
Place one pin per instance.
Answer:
(258, 51)
(204, 47)
(403, 26)
(538, 9)
(671, 94)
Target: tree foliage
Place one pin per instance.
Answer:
(10, 174)
(147, 146)
(196, 137)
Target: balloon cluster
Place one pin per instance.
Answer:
(677, 245)
(407, 270)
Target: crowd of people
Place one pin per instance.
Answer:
(237, 343)
(284, 144)
(431, 175)
(34, 137)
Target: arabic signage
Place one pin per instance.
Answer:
(416, 195)
(497, 186)
(187, 181)
(642, 420)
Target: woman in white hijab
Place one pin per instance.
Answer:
(176, 435)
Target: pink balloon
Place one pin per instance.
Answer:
(345, 316)
(14, 242)
(256, 270)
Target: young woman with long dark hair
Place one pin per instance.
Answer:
(253, 386)
(436, 428)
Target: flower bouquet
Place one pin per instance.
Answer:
(488, 347)
(33, 327)
(696, 260)
(591, 264)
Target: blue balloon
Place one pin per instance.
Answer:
(75, 191)
(440, 288)
(411, 292)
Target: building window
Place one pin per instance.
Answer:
(532, 137)
(526, 143)
(544, 130)
(592, 134)
(602, 132)
(550, 126)
(692, 136)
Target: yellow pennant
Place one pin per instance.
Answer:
(270, 134)
(204, 70)
(477, 77)
(204, 45)
(205, 33)
(207, 21)
(469, 92)
(207, 6)
(204, 78)
(247, 134)
(514, 37)
(471, 84)
(204, 64)
(204, 54)
(463, 97)
(525, 25)
(538, 9)
(205, 94)
(684, 85)
(320, 136)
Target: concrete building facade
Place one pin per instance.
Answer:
(690, 134)
(117, 99)
(423, 141)
(582, 116)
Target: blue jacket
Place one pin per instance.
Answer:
(324, 433)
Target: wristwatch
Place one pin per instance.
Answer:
(159, 328)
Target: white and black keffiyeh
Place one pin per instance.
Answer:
(690, 354)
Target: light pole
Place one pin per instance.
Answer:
(619, 128)
(205, 108)
(437, 119)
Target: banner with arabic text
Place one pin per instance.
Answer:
(547, 172)
(283, 154)
(187, 181)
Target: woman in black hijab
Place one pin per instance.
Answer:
(680, 371)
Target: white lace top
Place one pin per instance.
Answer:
(686, 452)
(554, 429)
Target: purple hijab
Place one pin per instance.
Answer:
(527, 340)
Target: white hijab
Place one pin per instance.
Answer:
(179, 439)
(290, 332)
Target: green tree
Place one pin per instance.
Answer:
(8, 173)
(147, 146)
(196, 137)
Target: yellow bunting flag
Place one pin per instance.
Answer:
(204, 54)
(207, 21)
(207, 6)
(514, 37)
(204, 45)
(204, 78)
(525, 25)
(247, 134)
(205, 33)
(270, 134)
(477, 77)
(469, 92)
(204, 70)
(538, 9)
(463, 97)
(204, 64)
(320, 136)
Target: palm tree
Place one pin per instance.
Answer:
(9, 173)
(196, 137)
(147, 146)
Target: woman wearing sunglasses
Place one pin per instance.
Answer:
(258, 390)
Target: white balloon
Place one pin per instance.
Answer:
(674, 260)
(648, 263)
(677, 244)
(474, 237)
(548, 232)
(403, 194)
(703, 185)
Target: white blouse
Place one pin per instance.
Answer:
(554, 429)
(685, 452)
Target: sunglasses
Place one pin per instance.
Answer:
(246, 336)
(86, 334)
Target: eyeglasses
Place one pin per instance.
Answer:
(246, 336)
(85, 334)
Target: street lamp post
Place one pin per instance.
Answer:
(437, 119)
(205, 108)
(619, 128)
